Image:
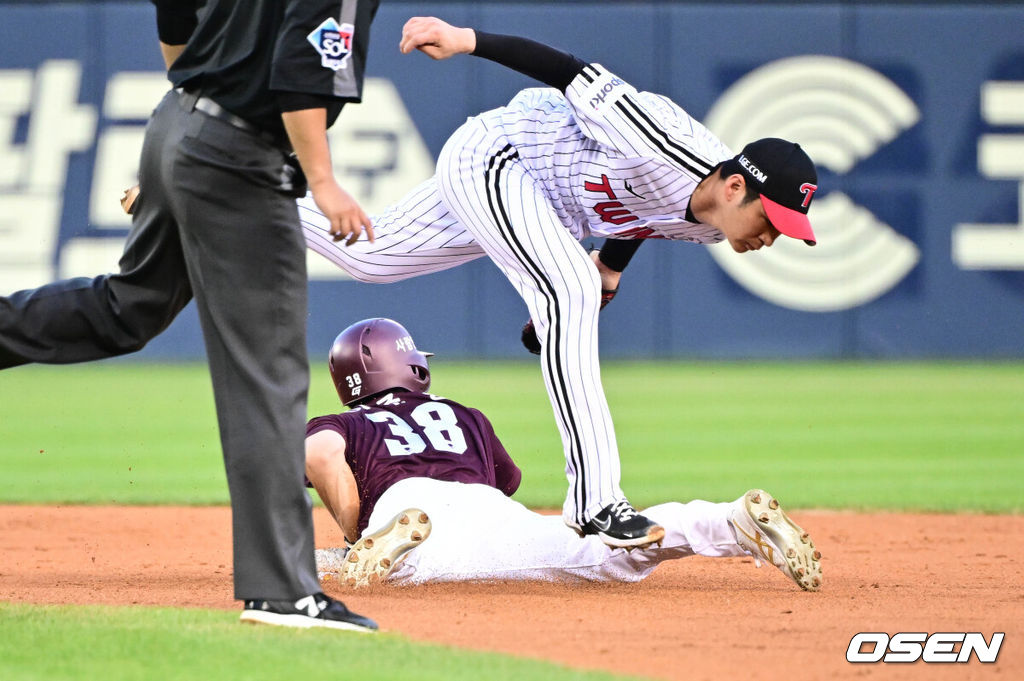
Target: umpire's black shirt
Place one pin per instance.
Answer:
(260, 57)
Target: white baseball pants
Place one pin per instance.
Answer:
(477, 533)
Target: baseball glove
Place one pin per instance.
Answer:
(131, 195)
(529, 335)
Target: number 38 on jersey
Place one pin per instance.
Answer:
(434, 422)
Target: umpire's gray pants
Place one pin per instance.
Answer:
(212, 219)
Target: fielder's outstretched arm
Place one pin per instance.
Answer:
(609, 109)
(440, 40)
(544, 63)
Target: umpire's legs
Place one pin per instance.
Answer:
(488, 190)
(246, 261)
(82, 319)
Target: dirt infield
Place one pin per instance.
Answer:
(693, 619)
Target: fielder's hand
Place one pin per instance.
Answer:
(128, 200)
(529, 335)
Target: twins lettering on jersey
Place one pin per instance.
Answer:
(615, 212)
(612, 211)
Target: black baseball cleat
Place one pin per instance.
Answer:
(619, 525)
(318, 610)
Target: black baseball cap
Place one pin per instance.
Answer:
(785, 177)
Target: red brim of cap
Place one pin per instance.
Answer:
(788, 221)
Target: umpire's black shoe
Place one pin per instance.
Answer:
(318, 610)
(620, 525)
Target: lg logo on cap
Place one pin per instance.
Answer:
(876, 646)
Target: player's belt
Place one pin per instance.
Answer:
(195, 101)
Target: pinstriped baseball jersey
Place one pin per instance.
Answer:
(611, 161)
(614, 162)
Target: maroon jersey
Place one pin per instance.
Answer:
(416, 435)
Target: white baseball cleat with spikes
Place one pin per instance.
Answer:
(375, 555)
(765, 532)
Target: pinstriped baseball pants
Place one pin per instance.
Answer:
(416, 236)
(490, 192)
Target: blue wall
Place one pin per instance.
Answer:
(917, 126)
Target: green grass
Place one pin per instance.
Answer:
(936, 436)
(925, 436)
(56, 643)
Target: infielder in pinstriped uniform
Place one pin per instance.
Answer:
(525, 182)
(422, 485)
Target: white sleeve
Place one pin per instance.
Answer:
(611, 111)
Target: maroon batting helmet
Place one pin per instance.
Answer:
(376, 355)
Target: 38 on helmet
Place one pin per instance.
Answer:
(376, 355)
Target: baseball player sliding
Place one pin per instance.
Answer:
(426, 483)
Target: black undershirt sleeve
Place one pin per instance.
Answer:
(616, 253)
(175, 21)
(297, 101)
(536, 60)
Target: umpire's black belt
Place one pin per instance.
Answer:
(195, 101)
